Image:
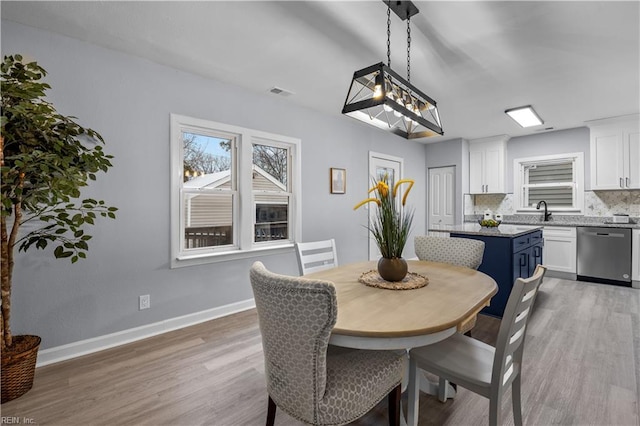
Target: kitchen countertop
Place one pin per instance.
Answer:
(504, 230)
(576, 224)
(569, 221)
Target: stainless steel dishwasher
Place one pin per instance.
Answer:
(604, 255)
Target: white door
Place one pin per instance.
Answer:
(442, 205)
(379, 165)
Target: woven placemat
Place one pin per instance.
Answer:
(410, 282)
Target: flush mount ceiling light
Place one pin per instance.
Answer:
(525, 116)
(380, 97)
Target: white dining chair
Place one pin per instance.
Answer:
(479, 367)
(307, 378)
(316, 256)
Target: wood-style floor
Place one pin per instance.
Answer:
(581, 367)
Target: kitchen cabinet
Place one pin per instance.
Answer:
(487, 158)
(635, 258)
(505, 259)
(560, 248)
(615, 154)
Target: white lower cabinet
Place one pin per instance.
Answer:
(559, 253)
(635, 258)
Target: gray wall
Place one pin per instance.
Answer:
(548, 143)
(128, 100)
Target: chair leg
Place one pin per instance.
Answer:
(495, 405)
(394, 405)
(442, 389)
(271, 412)
(516, 397)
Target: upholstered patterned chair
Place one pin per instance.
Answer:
(454, 251)
(307, 378)
(316, 256)
(479, 367)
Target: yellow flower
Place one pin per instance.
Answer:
(368, 200)
(382, 188)
(401, 181)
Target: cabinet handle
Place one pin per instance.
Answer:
(523, 260)
(627, 180)
(621, 183)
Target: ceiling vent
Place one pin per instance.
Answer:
(280, 91)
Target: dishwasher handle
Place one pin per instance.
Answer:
(604, 234)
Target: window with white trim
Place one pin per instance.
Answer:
(556, 179)
(235, 191)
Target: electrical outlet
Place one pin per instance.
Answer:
(144, 302)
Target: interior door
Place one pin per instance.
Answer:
(442, 197)
(379, 165)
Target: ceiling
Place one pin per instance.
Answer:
(573, 61)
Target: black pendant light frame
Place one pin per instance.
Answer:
(381, 97)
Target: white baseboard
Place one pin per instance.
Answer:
(95, 344)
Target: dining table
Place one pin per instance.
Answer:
(400, 319)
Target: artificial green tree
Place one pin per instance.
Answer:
(46, 159)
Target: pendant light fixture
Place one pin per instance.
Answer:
(380, 97)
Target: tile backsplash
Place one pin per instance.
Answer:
(596, 203)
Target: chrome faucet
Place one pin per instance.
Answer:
(547, 214)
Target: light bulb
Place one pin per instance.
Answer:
(398, 113)
(377, 91)
(389, 95)
(409, 108)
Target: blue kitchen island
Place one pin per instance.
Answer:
(510, 252)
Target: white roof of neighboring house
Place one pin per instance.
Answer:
(209, 180)
(214, 180)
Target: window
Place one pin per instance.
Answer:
(556, 179)
(234, 191)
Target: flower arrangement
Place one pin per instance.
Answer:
(392, 223)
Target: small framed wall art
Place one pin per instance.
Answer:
(338, 180)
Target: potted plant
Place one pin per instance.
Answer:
(390, 226)
(46, 159)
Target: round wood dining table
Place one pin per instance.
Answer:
(375, 318)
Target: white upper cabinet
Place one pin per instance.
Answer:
(615, 154)
(487, 158)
